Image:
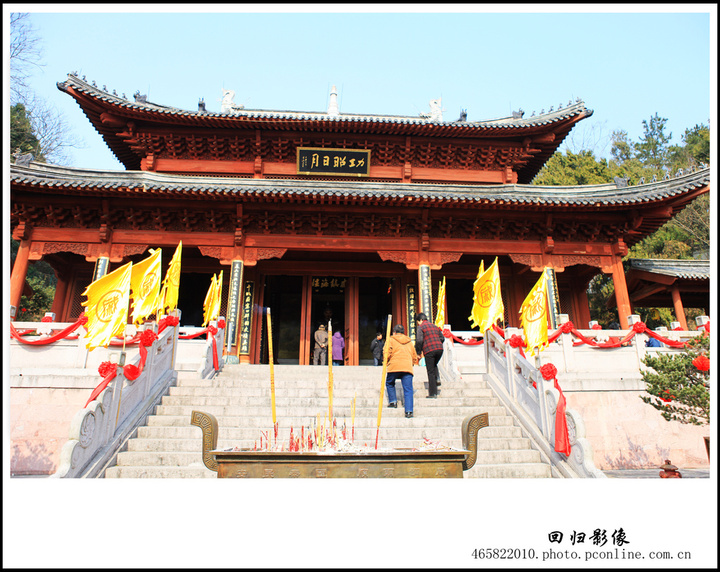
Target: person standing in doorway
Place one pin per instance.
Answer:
(376, 347)
(429, 341)
(338, 348)
(401, 358)
(321, 341)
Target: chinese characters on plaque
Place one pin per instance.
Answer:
(340, 162)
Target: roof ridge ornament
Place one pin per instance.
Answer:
(333, 109)
(227, 105)
(435, 110)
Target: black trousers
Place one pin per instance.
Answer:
(431, 360)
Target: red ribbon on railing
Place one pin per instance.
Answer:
(637, 328)
(448, 334)
(107, 371)
(562, 438)
(516, 341)
(81, 321)
(211, 332)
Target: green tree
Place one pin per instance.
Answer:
(678, 384)
(694, 151)
(22, 133)
(652, 149)
(573, 169)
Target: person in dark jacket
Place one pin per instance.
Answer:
(429, 342)
(376, 347)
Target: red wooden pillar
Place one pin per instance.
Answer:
(581, 305)
(61, 289)
(18, 275)
(679, 310)
(622, 298)
(306, 329)
(352, 328)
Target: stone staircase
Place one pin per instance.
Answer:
(239, 397)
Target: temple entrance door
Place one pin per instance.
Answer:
(283, 295)
(194, 287)
(375, 303)
(327, 303)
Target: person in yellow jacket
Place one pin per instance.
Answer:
(401, 357)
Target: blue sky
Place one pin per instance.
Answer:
(626, 66)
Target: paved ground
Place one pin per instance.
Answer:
(655, 473)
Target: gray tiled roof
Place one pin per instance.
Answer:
(595, 197)
(512, 123)
(686, 269)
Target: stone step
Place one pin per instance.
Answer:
(311, 410)
(161, 472)
(510, 471)
(502, 437)
(449, 437)
(317, 393)
(264, 422)
(360, 403)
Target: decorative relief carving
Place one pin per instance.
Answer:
(572, 260)
(267, 253)
(87, 430)
(212, 251)
(447, 257)
(55, 247)
(393, 256)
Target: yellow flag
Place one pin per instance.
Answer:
(211, 306)
(534, 316)
(217, 299)
(145, 286)
(208, 303)
(107, 306)
(475, 308)
(488, 306)
(171, 285)
(441, 305)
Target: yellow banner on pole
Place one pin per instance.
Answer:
(145, 286)
(488, 306)
(211, 305)
(171, 285)
(441, 305)
(534, 317)
(384, 375)
(107, 306)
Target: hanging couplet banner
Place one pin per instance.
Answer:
(411, 310)
(236, 274)
(247, 315)
(425, 291)
(339, 162)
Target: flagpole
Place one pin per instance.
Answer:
(121, 363)
(382, 382)
(330, 372)
(272, 367)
